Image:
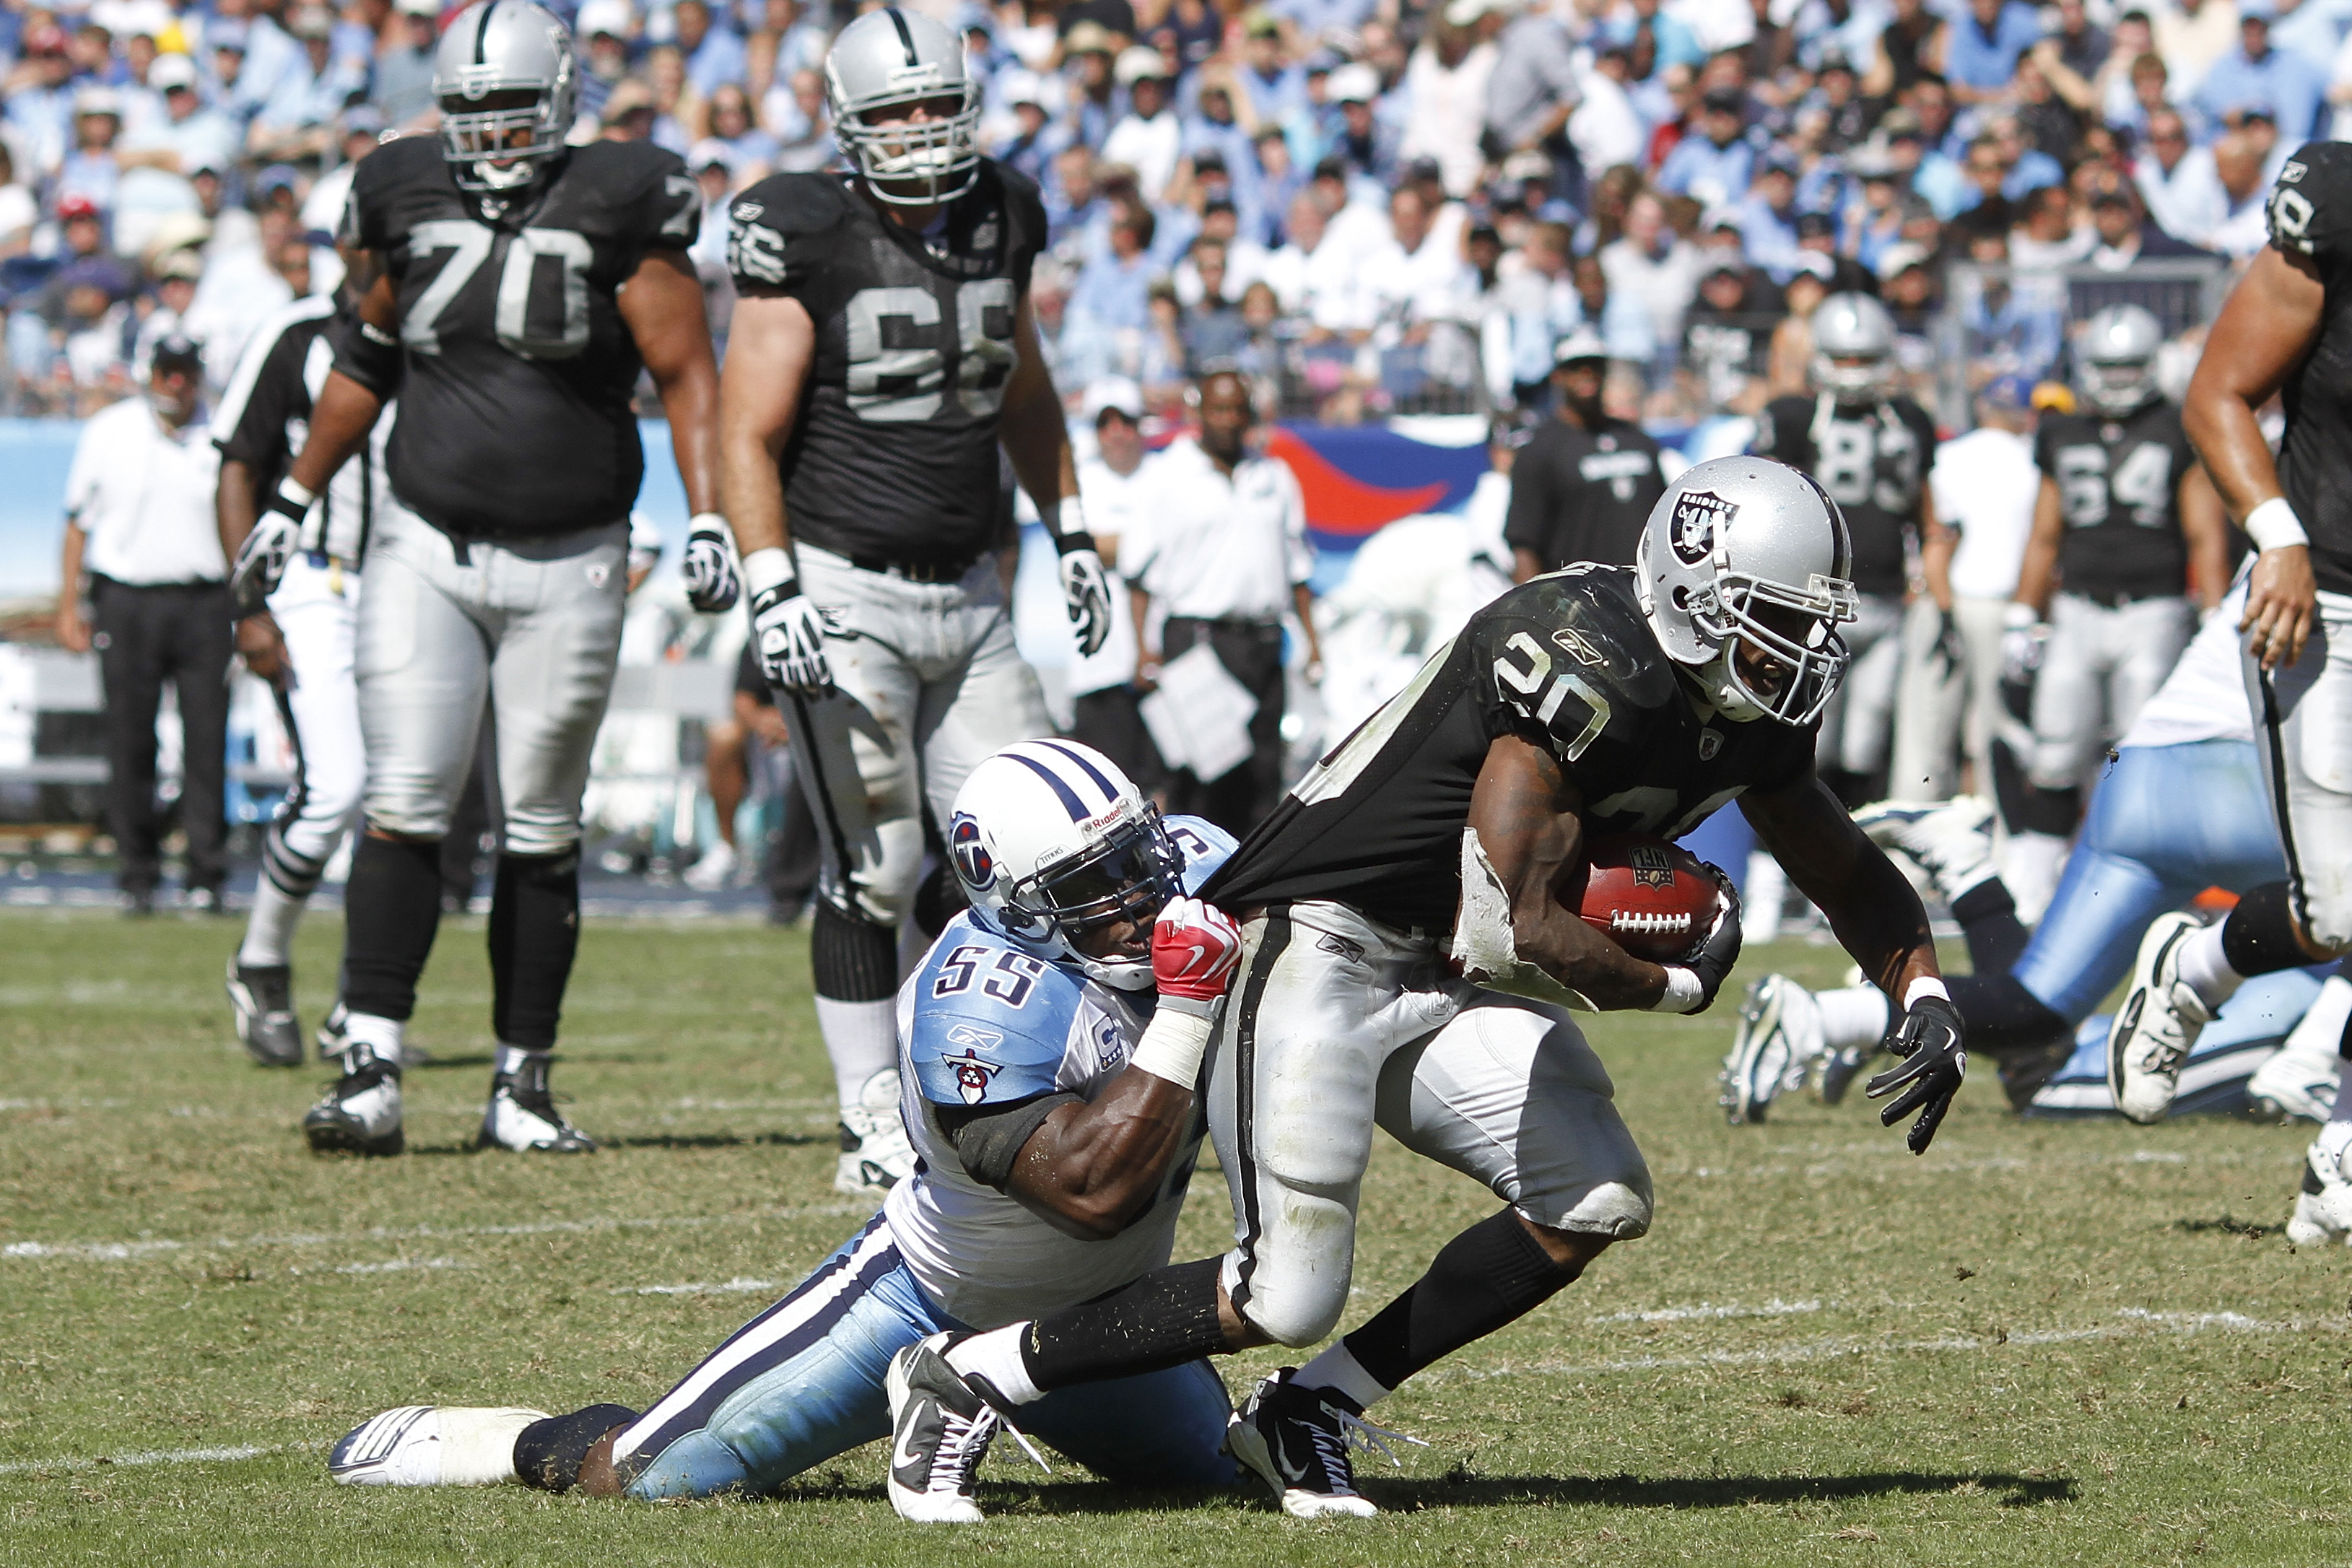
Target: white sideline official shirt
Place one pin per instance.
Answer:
(1218, 549)
(143, 495)
(1985, 485)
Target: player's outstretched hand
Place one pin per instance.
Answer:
(1932, 1045)
(1711, 959)
(707, 567)
(261, 559)
(1194, 949)
(1087, 590)
(789, 636)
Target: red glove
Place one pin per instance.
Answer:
(1194, 949)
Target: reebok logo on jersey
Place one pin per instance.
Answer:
(1699, 515)
(1571, 642)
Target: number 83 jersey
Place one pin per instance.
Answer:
(893, 454)
(515, 417)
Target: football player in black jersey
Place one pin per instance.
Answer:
(1869, 448)
(2286, 331)
(301, 642)
(1584, 484)
(512, 289)
(1593, 701)
(881, 350)
(2124, 521)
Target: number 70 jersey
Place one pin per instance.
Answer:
(893, 453)
(515, 415)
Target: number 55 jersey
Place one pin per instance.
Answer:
(515, 415)
(894, 455)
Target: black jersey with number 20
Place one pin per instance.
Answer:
(893, 454)
(1568, 661)
(515, 417)
(2310, 214)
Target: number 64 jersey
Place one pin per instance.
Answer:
(893, 456)
(515, 417)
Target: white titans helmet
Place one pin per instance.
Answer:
(2118, 354)
(1747, 554)
(1852, 327)
(504, 77)
(880, 67)
(1051, 842)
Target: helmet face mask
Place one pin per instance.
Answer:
(1779, 654)
(1126, 879)
(886, 66)
(504, 80)
(2117, 358)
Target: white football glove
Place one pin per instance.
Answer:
(1087, 590)
(261, 559)
(2024, 639)
(707, 567)
(789, 636)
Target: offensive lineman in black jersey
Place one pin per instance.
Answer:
(512, 289)
(2286, 331)
(301, 642)
(880, 350)
(1870, 451)
(1595, 700)
(2124, 520)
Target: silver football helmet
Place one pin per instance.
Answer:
(1746, 572)
(883, 65)
(2118, 354)
(504, 77)
(1852, 327)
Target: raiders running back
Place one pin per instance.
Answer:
(1568, 660)
(516, 417)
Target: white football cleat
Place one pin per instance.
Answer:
(1950, 840)
(521, 1115)
(714, 871)
(874, 1153)
(941, 1426)
(1295, 1440)
(431, 1446)
(1778, 1041)
(361, 1112)
(2158, 1024)
(2323, 1209)
(2296, 1084)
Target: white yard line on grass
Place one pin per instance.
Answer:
(159, 1456)
(735, 1287)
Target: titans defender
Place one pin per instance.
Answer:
(2286, 331)
(512, 289)
(300, 642)
(1595, 700)
(1050, 1094)
(881, 350)
(1871, 450)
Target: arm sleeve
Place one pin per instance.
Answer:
(249, 426)
(1296, 550)
(989, 1138)
(81, 479)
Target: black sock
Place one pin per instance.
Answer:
(548, 1454)
(852, 960)
(1492, 1274)
(2259, 937)
(392, 908)
(2052, 811)
(1165, 1319)
(1988, 918)
(534, 936)
(2001, 1014)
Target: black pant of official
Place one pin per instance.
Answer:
(1251, 652)
(146, 635)
(1110, 721)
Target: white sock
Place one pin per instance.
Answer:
(995, 1357)
(270, 934)
(478, 1446)
(1852, 1016)
(511, 1059)
(381, 1036)
(862, 1039)
(2206, 968)
(1339, 1369)
(2321, 1031)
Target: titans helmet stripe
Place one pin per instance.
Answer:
(1069, 797)
(1110, 793)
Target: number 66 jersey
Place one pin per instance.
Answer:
(515, 417)
(894, 455)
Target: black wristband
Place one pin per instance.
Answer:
(1065, 544)
(775, 593)
(285, 505)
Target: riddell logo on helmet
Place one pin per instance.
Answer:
(1699, 515)
(974, 862)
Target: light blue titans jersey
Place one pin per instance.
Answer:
(987, 1020)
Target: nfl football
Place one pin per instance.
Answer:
(1652, 896)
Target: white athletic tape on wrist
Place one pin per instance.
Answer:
(707, 522)
(2274, 525)
(1926, 985)
(2018, 614)
(766, 569)
(301, 495)
(1684, 992)
(1173, 1044)
(1069, 518)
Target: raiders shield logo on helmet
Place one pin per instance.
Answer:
(1698, 515)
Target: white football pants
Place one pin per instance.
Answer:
(2303, 732)
(926, 683)
(1859, 723)
(2101, 666)
(1337, 1024)
(533, 626)
(317, 611)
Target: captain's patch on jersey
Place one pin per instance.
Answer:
(1698, 514)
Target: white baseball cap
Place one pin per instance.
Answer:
(1139, 63)
(170, 71)
(1354, 82)
(596, 17)
(1108, 392)
(1580, 343)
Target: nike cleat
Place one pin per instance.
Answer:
(1296, 1440)
(431, 1446)
(522, 1116)
(2158, 1024)
(263, 997)
(1951, 840)
(1778, 1041)
(2323, 1209)
(941, 1426)
(361, 1113)
(874, 1153)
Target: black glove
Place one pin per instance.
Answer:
(1711, 957)
(1932, 1045)
(1950, 646)
(708, 568)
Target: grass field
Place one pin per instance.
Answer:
(2038, 1344)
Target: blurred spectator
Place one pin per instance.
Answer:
(2178, 182)
(296, 120)
(1149, 138)
(1981, 51)
(2124, 235)
(1445, 91)
(803, 127)
(713, 56)
(1365, 144)
(2238, 164)
(188, 135)
(1534, 89)
(404, 72)
(1654, 267)
(2291, 87)
(1714, 166)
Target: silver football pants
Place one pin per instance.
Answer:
(2303, 732)
(2102, 665)
(532, 626)
(1859, 721)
